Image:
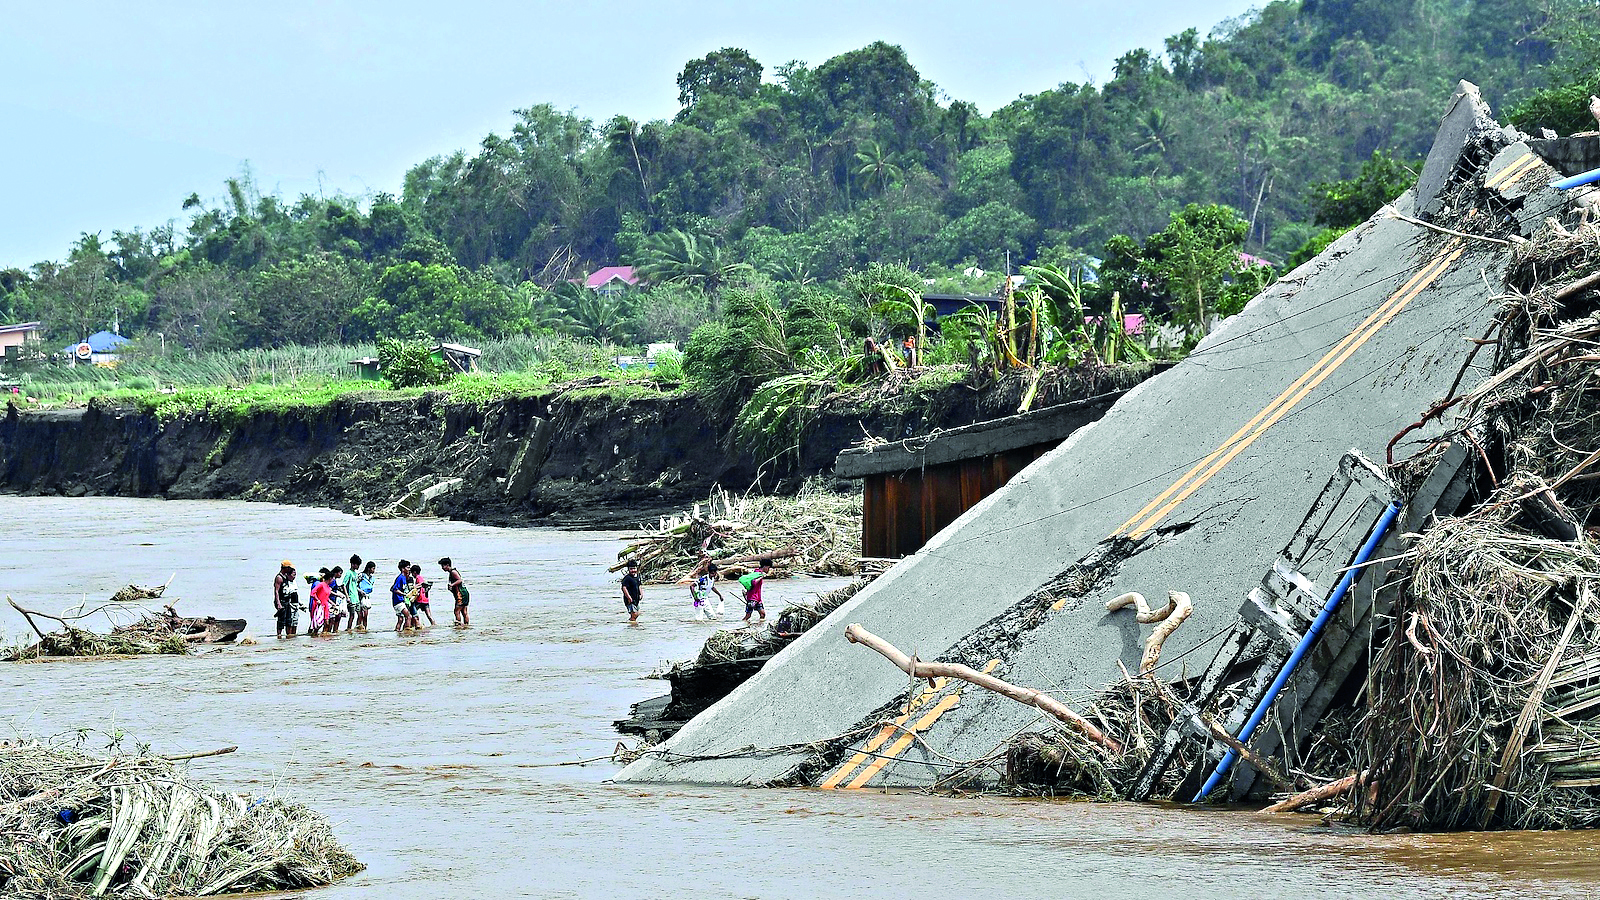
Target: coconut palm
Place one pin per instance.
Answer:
(875, 167)
(688, 258)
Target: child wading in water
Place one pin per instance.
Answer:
(752, 590)
(338, 604)
(458, 590)
(700, 591)
(349, 587)
(422, 603)
(321, 601)
(632, 591)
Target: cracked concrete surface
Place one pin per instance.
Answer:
(1342, 353)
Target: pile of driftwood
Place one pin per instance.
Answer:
(81, 825)
(1483, 699)
(814, 532)
(152, 631)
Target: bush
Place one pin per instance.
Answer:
(410, 363)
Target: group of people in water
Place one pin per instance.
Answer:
(702, 587)
(340, 596)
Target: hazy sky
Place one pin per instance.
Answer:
(113, 112)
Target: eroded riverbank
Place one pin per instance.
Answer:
(427, 751)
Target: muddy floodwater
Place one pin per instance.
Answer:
(429, 752)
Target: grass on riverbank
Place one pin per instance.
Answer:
(236, 384)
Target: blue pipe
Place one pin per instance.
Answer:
(1304, 647)
(1589, 177)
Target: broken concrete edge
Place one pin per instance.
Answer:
(640, 769)
(1040, 426)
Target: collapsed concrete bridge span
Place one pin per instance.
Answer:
(1194, 481)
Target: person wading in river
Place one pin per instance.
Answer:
(421, 601)
(321, 601)
(338, 605)
(349, 586)
(286, 600)
(362, 604)
(700, 591)
(751, 583)
(398, 596)
(458, 590)
(632, 591)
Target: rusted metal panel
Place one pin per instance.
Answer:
(903, 511)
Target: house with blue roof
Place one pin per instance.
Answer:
(99, 348)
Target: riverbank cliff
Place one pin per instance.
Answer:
(573, 455)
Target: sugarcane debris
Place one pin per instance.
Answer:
(815, 532)
(82, 825)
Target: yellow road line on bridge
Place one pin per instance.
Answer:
(898, 727)
(1519, 167)
(1157, 509)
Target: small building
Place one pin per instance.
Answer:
(14, 338)
(460, 359)
(367, 368)
(99, 348)
(612, 280)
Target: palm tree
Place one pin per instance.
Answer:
(876, 168)
(686, 257)
(623, 139)
(591, 314)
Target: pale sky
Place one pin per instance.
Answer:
(112, 112)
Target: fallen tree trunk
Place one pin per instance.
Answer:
(1316, 794)
(916, 668)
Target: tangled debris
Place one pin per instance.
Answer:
(793, 620)
(1483, 696)
(1481, 706)
(153, 632)
(815, 532)
(81, 825)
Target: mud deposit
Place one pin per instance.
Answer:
(425, 750)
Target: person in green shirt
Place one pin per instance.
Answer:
(349, 586)
(751, 583)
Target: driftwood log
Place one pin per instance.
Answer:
(1316, 794)
(1045, 703)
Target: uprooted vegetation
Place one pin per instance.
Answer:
(137, 630)
(815, 532)
(1482, 700)
(83, 825)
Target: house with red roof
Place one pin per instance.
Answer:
(612, 279)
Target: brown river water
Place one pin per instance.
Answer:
(429, 751)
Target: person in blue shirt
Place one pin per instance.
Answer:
(399, 595)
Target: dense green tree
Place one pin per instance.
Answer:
(305, 300)
(1192, 259)
(729, 72)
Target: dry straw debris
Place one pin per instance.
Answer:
(82, 825)
(815, 532)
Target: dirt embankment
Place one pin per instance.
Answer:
(565, 457)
